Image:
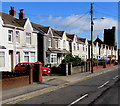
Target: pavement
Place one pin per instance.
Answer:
(50, 83)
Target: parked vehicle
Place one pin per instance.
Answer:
(21, 67)
(116, 62)
(107, 60)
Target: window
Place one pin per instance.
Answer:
(64, 44)
(53, 58)
(56, 43)
(2, 59)
(77, 46)
(10, 35)
(26, 56)
(32, 56)
(17, 36)
(17, 57)
(74, 46)
(83, 47)
(86, 48)
(49, 42)
(29, 57)
(28, 37)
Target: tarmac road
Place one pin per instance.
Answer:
(110, 96)
(83, 92)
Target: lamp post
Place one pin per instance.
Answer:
(92, 24)
(91, 37)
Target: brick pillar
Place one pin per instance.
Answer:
(104, 64)
(29, 71)
(70, 68)
(65, 69)
(37, 73)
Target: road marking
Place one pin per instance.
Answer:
(62, 86)
(116, 77)
(78, 100)
(104, 84)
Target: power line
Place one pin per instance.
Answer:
(76, 20)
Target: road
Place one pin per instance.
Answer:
(110, 96)
(89, 91)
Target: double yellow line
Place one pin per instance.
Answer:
(59, 87)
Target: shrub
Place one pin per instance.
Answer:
(75, 60)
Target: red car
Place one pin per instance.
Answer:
(21, 67)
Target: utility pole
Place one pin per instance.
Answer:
(91, 12)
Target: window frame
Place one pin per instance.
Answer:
(3, 57)
(28, 36)
(11, 36)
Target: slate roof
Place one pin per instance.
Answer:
(70, 36)
(55, 33)
(58, 33)
(81, 39)
(40, 28)
(8, 19)
(99, 41)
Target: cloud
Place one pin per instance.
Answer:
(80, 24)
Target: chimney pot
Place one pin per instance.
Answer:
(12, 12)
(21, 14)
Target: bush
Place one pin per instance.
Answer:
(56, 70)
(75, 60)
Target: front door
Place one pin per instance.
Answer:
(10, 60)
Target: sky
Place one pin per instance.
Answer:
(72, 17)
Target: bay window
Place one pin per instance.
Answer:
(2, 59)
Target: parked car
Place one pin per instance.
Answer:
(107, 60)
(21, 67)
(116, 62)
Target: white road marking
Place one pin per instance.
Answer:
(116, 77)
(104, 84)
(78, 100)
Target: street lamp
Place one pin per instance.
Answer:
(92, 24)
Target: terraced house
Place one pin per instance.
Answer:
(18, 40)
(25, 41)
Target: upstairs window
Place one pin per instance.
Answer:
(74, 46)
(64, 44)
(10, 35)
(77, 46)
(56, 43)
(49, 42)
(28, 37)
(18, 36)
(83, 47)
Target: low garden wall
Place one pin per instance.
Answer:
(14, 82)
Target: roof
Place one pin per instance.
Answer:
(81, 39)
(58, 33)
(70, 36)
(55, 33)
(8, 19)
(40, 28)
(57, 51)
(99, 40)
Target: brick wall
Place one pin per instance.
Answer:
(15, 82)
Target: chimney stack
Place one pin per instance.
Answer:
(21, 14)
(12, 12)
